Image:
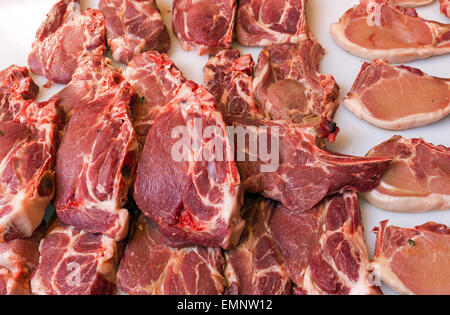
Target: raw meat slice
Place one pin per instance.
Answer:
(204, 25)
(64, 38)
(324, 248)
(187, 180)
(299, 173)
(18, 258)
(166, 270)
(255, 266)
(134, 26)
(445, 7)
(155, 79)
(267, 22)
(409, 3)
(373, 30)
(414, 261)
(229, 77)
(75, 262)
(398, 97)
(28, 138)
(416, 180)
(288, 84)
(92, 184)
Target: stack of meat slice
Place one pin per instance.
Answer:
(417, 180)
(155, 79)
(151, 267)
(187, 180)
(64, 38)
(28, 139)
(134, 26)
(414, 261)
(373, 29)
(75, 262)
(268, 22)
(204, 25)
(18, 258)
(98, 154)
(398, 97)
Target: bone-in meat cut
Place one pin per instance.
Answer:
(294, 169)
(166, 270)
(18, 258)
(255, 266)
(28, 139)
(205, 26)
(155, 79)
(134, 26)
(417, 179)
(324, 248)
(75, 262)
(398, 97)
(97, 158)
(268, 22)
(288, 84)
(187, 180)
(414, 261)
(373, 30)
(67, 35)
(229, 77)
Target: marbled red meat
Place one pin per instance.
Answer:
(204, 25)
(268, 22)
(134, 26)
(166, 270)
(187, 181)
(64, 38)
(324, 249)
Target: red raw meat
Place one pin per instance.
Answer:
(414, 261)
(324, 248)
(268, 22)
(204, 25)
(28, 139)
(134, 26)
(166, 270)
(64, 38)
(417, 179)
(98, 154)
(18, 258)
(75, 262)
(288, 84)
(445, 7)
(195, 197)
(155, 79)
(304, 173)
(409, 3)
(398, 97)
(255, 266)
(373, 30)
(229, 77)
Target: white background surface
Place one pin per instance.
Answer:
(19, 20)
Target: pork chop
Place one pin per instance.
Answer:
(417, 179)
(373, 29)
(414, 261)
(166, 270)
(398, 97)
